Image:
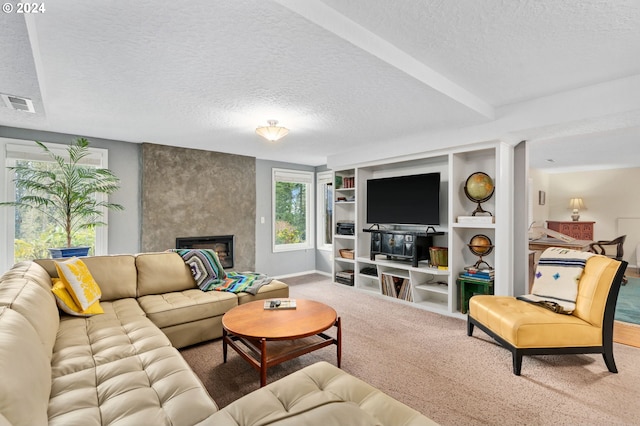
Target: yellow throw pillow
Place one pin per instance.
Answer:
(67, 304)
(78, 280)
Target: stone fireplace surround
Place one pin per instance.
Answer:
(189, 192)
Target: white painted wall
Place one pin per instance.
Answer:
(539, 182)
(609, 197)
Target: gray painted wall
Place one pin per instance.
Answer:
(324, 261)
(268, 262)
(125, 228)
(124, 158)
(191, 193)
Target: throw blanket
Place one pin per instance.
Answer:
(556, 281)
(249, 282)
(209, 275)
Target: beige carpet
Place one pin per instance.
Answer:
(428, 362)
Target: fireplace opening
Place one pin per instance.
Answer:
(221, 244)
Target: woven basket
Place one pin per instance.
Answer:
(346, 253)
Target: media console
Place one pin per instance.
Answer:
(402, 245)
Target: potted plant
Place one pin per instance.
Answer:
(66, 193)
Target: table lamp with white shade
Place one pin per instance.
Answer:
(576, 204)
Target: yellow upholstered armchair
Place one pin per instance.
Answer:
(530, 329)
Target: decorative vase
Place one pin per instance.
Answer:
(57, 253)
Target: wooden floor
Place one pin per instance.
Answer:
(624, 332)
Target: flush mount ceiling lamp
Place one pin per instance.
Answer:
(272, 132)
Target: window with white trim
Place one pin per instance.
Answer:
(28, 234)
(324, 201)
(293, 215)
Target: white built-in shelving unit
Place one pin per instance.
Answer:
(344, 209)
(432, 288)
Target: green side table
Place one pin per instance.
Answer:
(470, 287)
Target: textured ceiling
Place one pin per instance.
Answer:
(353, 80)
(508, 51)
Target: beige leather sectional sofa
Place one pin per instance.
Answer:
(122, 367)
(161, 286)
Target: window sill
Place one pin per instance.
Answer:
(292, 248)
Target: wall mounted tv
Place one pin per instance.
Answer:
(404, 200)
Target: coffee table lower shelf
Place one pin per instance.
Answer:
(264, 353)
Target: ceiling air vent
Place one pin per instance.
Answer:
(18, 103)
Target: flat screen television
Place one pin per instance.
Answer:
(404, 200)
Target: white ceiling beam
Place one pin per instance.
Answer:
(329, 19)
(30, 21)
(602, 107)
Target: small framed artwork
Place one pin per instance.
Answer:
(541, 198)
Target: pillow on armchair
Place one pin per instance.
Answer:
(555, 284)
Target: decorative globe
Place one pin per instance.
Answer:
(479, 187)
(480, 245)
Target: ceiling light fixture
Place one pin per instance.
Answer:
(272, 132)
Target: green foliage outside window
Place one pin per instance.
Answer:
(328, 214)
(36, 247)
(56, 202)
(291, 213)
(35, 232)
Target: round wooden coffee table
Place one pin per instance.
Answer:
(267, 337)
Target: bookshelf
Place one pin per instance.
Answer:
(424, 286)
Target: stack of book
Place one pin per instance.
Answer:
(473, 273)
(476, 219)
(348, 182)
(278, 304)
(345, 277)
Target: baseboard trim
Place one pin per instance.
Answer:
(297, 274)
